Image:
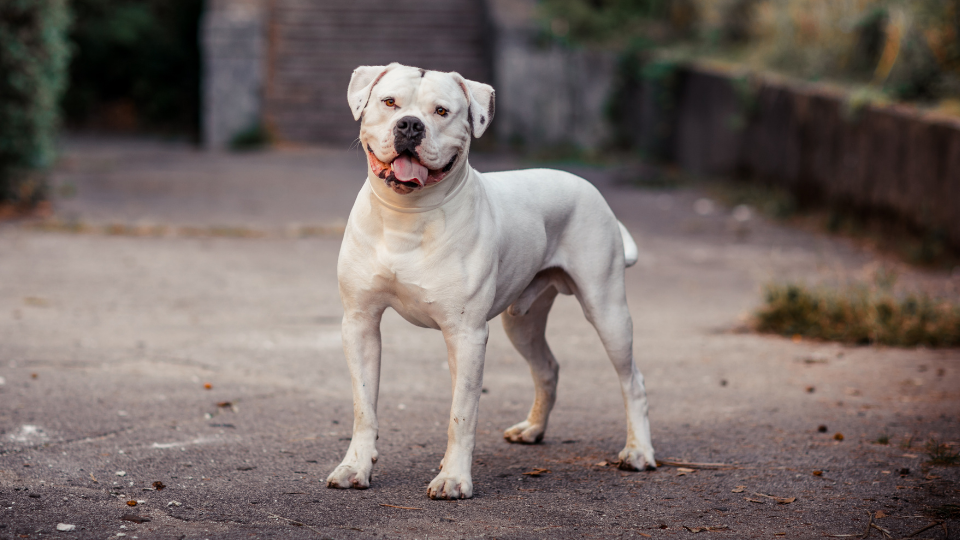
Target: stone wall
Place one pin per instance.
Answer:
(287, 63)
(547, 95)
(314, 46)
(892, 160)
(234, 46)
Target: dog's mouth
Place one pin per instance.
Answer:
(406, 173)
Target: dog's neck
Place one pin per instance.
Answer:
(426, 198)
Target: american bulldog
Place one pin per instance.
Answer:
(450, 248)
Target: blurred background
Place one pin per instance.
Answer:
(847, 105)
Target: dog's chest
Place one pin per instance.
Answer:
(418, 274)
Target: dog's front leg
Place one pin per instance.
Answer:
(361, 345)
(465, 350)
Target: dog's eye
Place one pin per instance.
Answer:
(441, 111)
(390, 102)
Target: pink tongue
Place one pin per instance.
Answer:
(406, 169)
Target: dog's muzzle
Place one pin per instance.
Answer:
(408, 134)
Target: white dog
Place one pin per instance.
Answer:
(449, 248)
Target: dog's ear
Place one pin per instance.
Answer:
(481, 97)
(362, 81)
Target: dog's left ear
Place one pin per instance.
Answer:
(361, 84)
(481, 97)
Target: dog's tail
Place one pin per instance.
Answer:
(629, 246)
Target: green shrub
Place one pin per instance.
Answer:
(617, 23)
(859, 315)
(33, 59)
(255, 137)
(136, 59)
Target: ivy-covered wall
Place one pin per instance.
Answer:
(34, 54)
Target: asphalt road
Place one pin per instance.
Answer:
(176, 324)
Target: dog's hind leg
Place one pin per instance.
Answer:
(605, 306)
(526, 332)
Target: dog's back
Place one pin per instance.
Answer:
(565, 202)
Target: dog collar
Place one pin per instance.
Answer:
(420, 209)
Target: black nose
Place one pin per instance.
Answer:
(409, 129)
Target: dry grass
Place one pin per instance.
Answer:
(859, 314)
(942, 454)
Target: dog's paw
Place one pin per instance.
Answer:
(524, 433)
(350, 476)
(633, 458)
(450, 486)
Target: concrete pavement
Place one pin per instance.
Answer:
(167, 270)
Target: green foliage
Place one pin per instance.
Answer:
(903, 49)
(255, 137)
(860, 315)
(33, 60)
(617, 22)
(137, 56)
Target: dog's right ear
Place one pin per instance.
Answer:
(361, 84)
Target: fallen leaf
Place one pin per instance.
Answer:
(780, 500)
(818, 473)
(602, 464)
(753, 500)
(914, 456)
(224, 404)
(822, 428)
(134, 518)
(537, 472)
(645, 535)
(838, 436)
(738, 489)
(159, 485)
(684, 470)
(131, 503)
(880, 514)
(207, 385)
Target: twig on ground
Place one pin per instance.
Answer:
(689, 465)
(401, 507)
(885, 532)
(296, 523)
(866, 533)
(922, 529)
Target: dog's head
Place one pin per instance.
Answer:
(415, 125)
